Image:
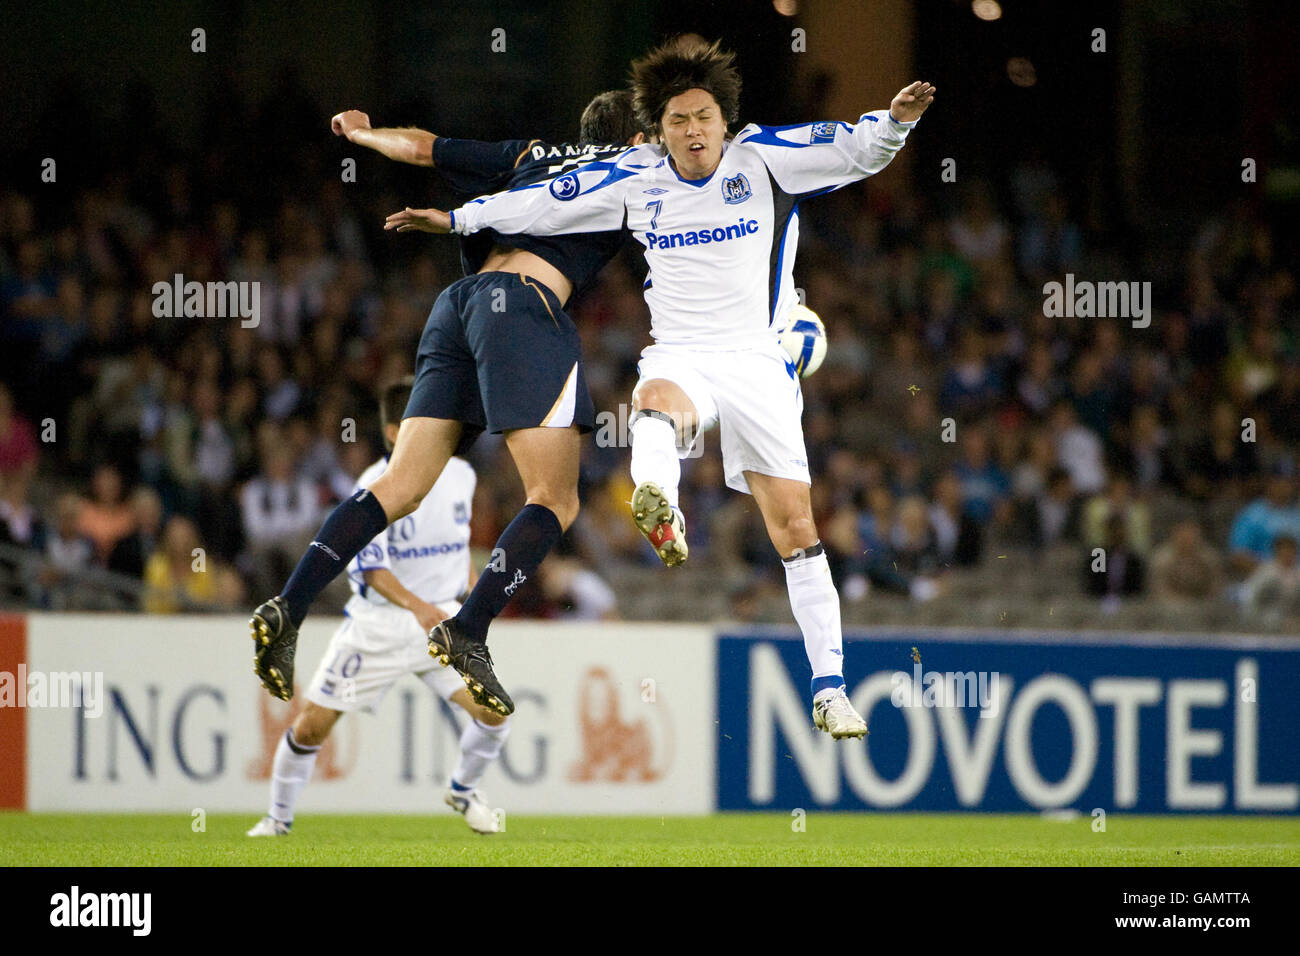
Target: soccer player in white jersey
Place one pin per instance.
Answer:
(404, 582)
(718, 218)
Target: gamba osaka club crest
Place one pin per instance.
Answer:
(735, 189)
(822, 133)
(565, 187)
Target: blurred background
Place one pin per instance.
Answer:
(1164, 149)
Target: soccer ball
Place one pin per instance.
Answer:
(804, 340)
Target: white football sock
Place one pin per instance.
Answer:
(816, 606)
(289, 775)
(654, 455)
(480, 744)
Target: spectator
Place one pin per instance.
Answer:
(1185, 569)
(279, 513)
(18, 448)
(20, 525)
(105, 517)
(1220, 463)
(20, 528)
(957, 536)
(1092, 393)
(1118, 500)
(1147, 455)
(1050, 244)
(1259, 523)
(1117, 572)
(972, 385)
(1078, 449)
(1052, 515)
(1271, 595)
(214, 449)
(978, 233)
(176, 577)
(985, 488)
(281, 394)
(67, 553)
(1038, 386)
(130, 554)
(912, 545)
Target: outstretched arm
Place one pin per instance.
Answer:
(819, 157)
(588, 198)
(469, 166)
(403, 144)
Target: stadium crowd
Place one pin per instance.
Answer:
(953, 422)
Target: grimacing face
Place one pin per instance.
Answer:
(693, 130)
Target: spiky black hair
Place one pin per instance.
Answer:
(684, 63)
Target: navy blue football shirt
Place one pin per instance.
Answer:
(476, 168)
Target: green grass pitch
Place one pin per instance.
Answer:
(829, 839)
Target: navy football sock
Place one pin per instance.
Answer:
(348, 529)
(520, 549)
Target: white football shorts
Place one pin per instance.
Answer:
(372, 649)
(754, 398)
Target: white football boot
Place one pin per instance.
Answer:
(834, 714)
(661, 523)
(477, 813)
(270, 826)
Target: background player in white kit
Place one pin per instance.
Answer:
(404, 582)
(719, 222)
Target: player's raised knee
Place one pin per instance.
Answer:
(664, 397)
(800, 529)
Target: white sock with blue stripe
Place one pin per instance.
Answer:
(816, 606)
(289, 774)
(480, 744)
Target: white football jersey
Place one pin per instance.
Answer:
(720, 250)
(428, 550)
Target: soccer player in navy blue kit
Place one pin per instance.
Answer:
(497, 354)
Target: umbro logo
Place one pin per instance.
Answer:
(326, 548)
(656, 191)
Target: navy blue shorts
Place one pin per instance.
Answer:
(498, 353)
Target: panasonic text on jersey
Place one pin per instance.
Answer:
(697, 237)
